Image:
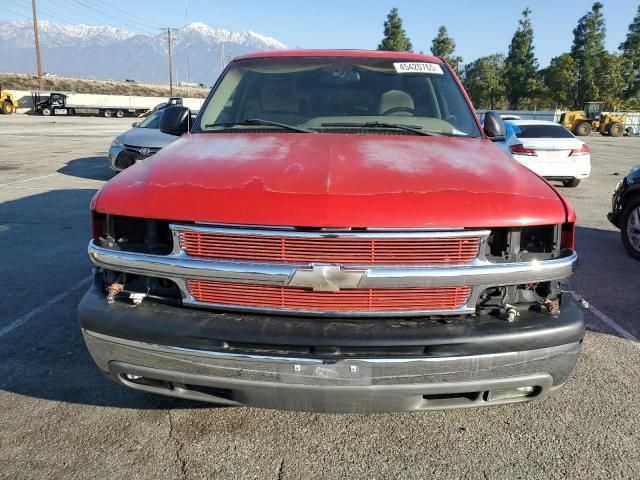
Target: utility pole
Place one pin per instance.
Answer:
(170, 63)
(186, 24)
(37, 38)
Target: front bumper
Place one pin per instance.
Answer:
(617, 203)
(183, 352)
(113, 155)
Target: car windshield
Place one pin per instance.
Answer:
(542, 131)
(152, 121)
(339, 95)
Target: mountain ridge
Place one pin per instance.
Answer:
(93, 51)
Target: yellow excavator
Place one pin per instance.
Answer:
(583, 122)
(7, 104)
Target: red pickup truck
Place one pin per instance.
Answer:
(335, 232)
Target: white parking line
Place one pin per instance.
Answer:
(610, 323)
(51, 175)
(36, 311)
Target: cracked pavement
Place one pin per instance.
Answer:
(60, 418)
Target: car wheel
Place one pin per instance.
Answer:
(630, 228)
(119, 113)
(7, 108)
(108, 113)
(573, 183)
(583, 129)
(616, 129)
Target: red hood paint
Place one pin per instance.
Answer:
(333, 180)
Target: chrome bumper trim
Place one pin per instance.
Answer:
(478, 273)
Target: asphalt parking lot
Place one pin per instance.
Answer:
(60, 418)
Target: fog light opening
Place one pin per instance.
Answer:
(511, 393)
(146, 382)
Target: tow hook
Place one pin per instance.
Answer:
(511, 313)
(113, 290)
(552, 306)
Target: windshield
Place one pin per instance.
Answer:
(330, 94)
(152, 121)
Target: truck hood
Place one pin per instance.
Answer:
(333, 180)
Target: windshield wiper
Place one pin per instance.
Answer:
(259, 121)
(417, 129)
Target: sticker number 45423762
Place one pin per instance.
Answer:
(418, 67)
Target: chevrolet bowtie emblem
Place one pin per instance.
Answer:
(326, 278)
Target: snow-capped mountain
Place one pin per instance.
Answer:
(105, 52)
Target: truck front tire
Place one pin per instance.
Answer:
(46, 111)
(583, 129)
(7, 107)
(616, 129)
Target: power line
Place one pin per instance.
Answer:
(48, 13)
(129, 14)
(94, 13)
(19, 15)
(112, 17)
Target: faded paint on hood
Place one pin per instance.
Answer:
(333, 180)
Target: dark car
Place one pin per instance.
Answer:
(625, 211)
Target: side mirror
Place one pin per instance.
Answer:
(175, 120)
(494, 126)
(135, 124)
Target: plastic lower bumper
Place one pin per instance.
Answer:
(617, 203)
(113, 155)
(476, 362)
(347, 385)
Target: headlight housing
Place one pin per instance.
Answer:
(117, 143)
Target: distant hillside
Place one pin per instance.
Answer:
(110, 53)
(21, 81)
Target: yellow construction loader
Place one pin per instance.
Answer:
(7, 104)
(583, 122)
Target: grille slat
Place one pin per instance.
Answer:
(271, 248)
(361, 300)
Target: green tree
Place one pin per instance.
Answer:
(521, 66)
(484, 81)
(588, 50)
(395, 38)
(560, 78)
(444, 46)
(612, 80)
(631, 52)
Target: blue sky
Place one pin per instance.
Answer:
(479, 28)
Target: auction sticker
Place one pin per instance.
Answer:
(418, 67)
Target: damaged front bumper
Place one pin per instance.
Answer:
(317, 364)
